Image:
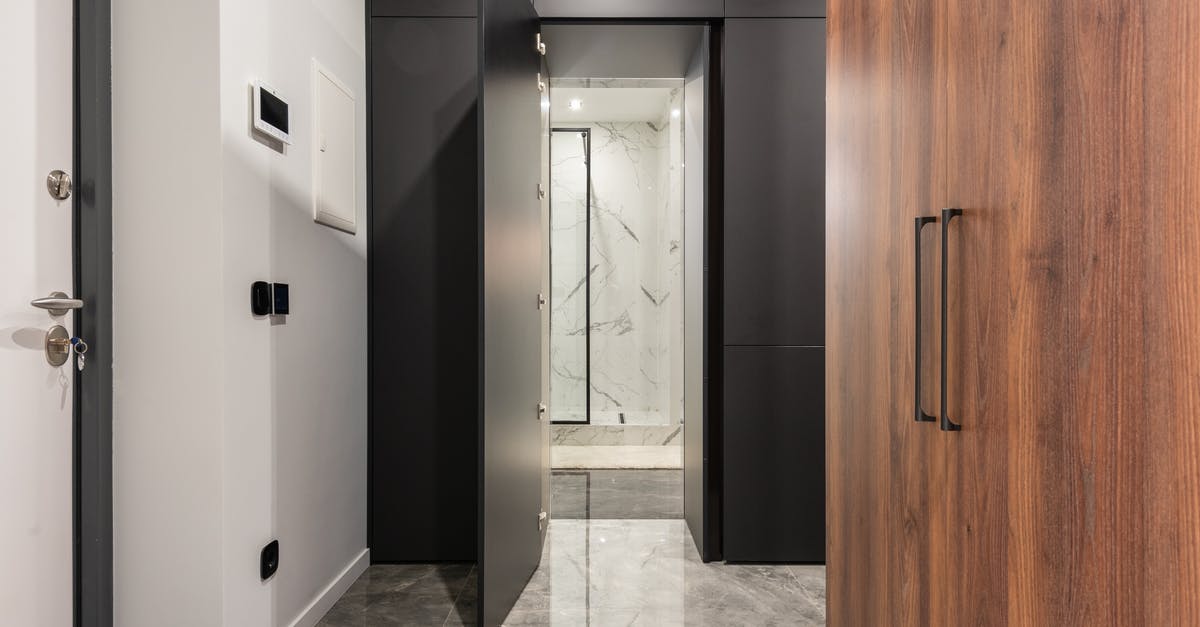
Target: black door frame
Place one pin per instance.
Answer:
(92, 252)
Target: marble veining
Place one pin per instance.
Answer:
(634, 274)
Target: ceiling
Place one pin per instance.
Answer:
(609, 104)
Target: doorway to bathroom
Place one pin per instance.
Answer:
(616, 273)
(626, 241)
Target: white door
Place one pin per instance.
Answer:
(35, 260)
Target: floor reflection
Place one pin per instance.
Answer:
(617, 553)
(647, 572)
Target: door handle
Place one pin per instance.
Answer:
(947, 216)
(57, 303)
(918, 411)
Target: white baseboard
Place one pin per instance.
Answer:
(334, 591)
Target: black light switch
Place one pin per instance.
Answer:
(260, 298)
(280, 294)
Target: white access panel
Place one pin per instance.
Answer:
(335, 186)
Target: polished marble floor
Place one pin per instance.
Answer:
(611, 494)
(647, 572)
(407, 594)
(639, 567)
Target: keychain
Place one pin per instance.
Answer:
(80, 347)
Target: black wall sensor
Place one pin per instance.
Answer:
(280, 291)
(260, 298)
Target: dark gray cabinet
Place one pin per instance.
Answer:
(774, 8)
(775, 454)
(773, 300)
(424, 290)
(774, 223)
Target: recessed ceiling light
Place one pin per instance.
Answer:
(674, 113)
(575, 104)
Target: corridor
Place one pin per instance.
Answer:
(642, 569)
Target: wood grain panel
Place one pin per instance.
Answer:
(1075, 353)
(917, 187)
(1168, 413)
(861, 241)
(1072, 494)
(980, 123)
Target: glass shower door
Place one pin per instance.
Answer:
(569, 262)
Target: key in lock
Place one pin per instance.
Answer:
(60, 345)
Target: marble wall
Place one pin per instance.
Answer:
(568, 273)
(635, 287)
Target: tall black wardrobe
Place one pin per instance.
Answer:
(758, 467)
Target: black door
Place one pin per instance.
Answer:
(510, 428)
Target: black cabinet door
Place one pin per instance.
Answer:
(510, 218)
(424, 306)
(774, 454)
(774, 223)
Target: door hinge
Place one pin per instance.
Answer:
(541, 409)
(541, 191)
(542, 516)
(541, 45)
(541, 83)
(541, 300)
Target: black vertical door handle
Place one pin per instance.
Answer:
(918, 411)
(947, 216)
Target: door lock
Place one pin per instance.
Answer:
(58, 345)
(58, 183)
(541, 408)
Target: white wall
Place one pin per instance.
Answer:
(280, 410)
(300, 387)
(168, 327)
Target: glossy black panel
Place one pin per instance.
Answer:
(424, 8)
(642, 9)
(774, 8)
(510, 132)
(702, 433)
(774, 220)
(774, 454)
(424, 296)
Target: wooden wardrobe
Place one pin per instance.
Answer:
(1059, 312)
